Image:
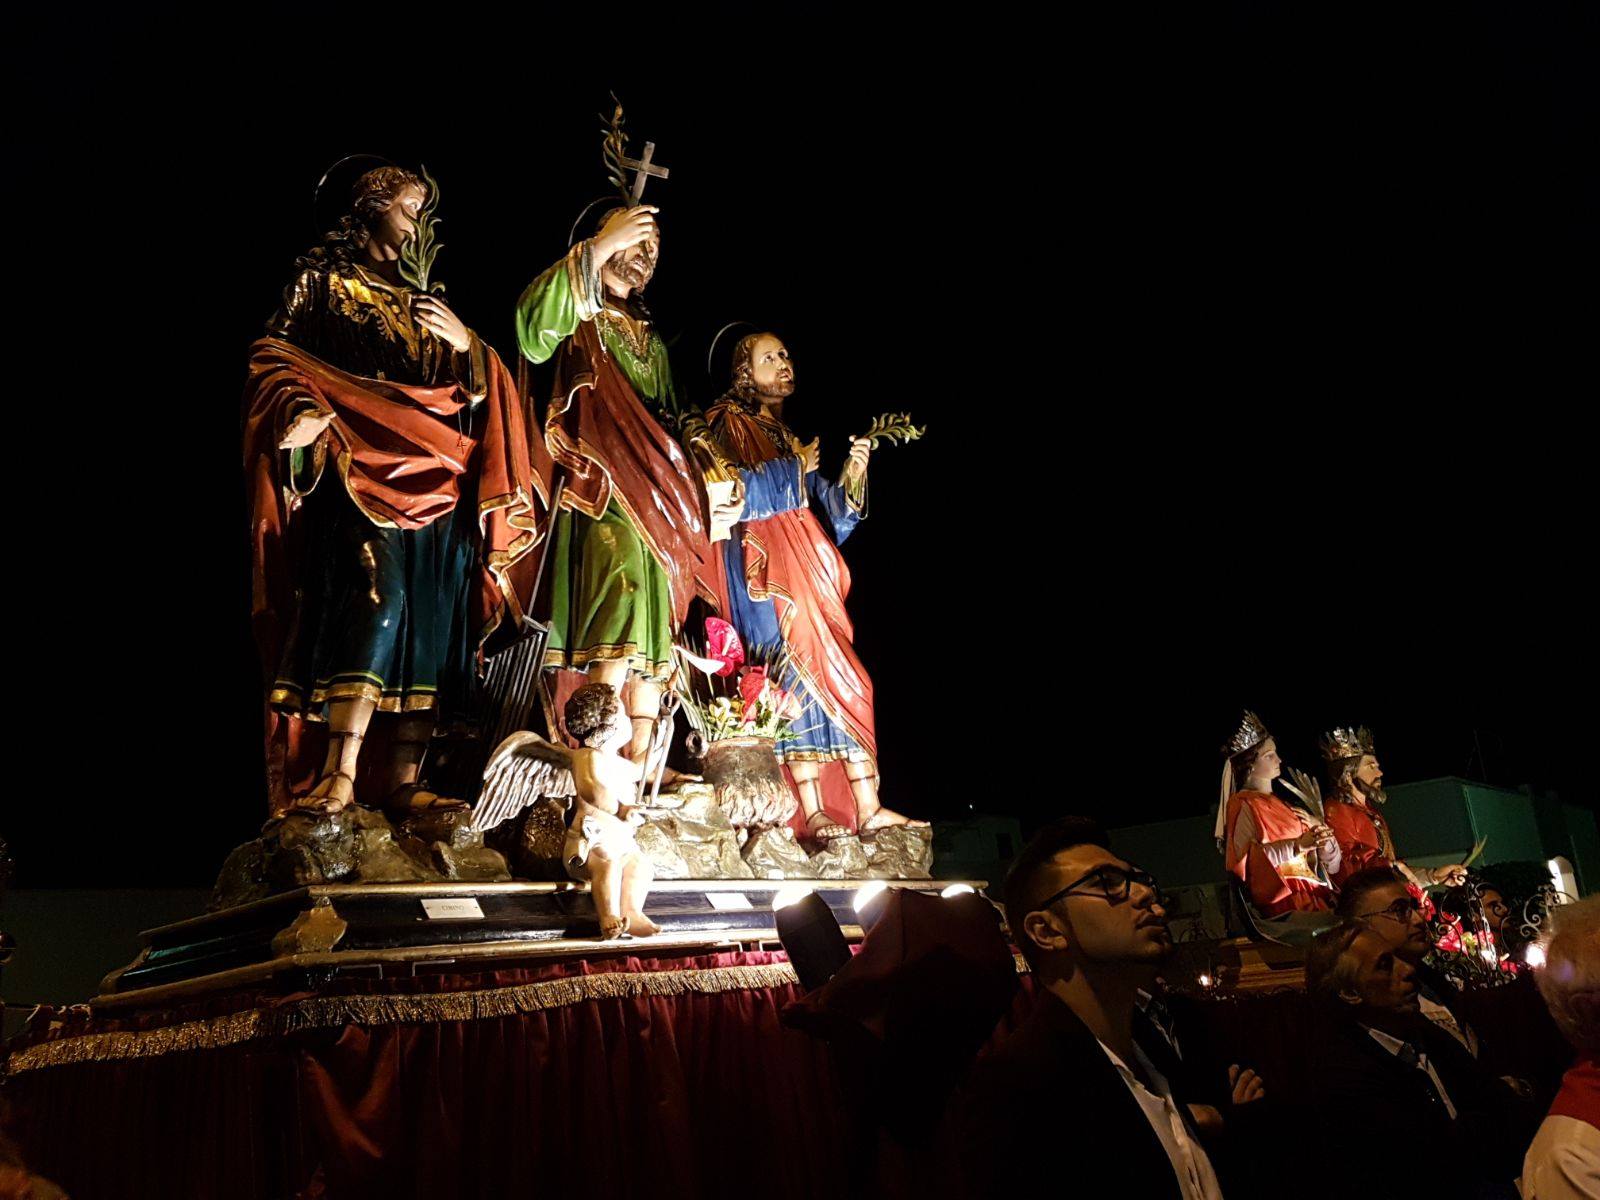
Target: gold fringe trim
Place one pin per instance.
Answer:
(323, 1012)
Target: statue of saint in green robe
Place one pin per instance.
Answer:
(630, 549)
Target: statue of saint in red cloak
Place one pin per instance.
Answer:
(1283, 856)
(787, 581)
(396, 495)
(1355, 812)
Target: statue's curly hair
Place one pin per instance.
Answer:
(1341, 769)
(371, 197)
(744, 383)
(590, 712)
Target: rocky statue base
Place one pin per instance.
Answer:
(357, 845)
(686, 835)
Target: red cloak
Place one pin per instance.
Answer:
(1272, 892)
(400, 455)
(614, 449)
(1363, 838)
(790, 559)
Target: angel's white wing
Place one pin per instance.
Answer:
(522, 769)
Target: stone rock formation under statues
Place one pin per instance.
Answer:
(357, 845)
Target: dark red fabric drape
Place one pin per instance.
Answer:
(691, 1094)
(675, 1095)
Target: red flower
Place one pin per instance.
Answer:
(1450, 940)
(750, 685)
(722, 644)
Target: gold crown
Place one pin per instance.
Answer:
(1346, 742)
(1251, 732)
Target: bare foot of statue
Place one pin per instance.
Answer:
(410, 799)
(333, 794)
(642, 926)
(612, 928)
(820, 827)
(884, 818)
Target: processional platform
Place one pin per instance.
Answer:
(384, 930)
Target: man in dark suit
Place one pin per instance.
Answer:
(1379, 899)
(1072, 1080)
(1393, 1078)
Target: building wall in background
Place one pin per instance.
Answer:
(1430, 820)
(1179, 853)
(1583, 840)
(68, 939)
(1438, 819)
(979, 848)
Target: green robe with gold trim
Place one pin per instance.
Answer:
(610, 597)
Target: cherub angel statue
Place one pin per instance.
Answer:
(600, 786)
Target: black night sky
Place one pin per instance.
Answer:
(1256, 351)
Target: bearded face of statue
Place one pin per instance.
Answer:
(635, 265)
(771, 372)
(1368, 778)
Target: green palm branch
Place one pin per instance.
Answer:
(615, 148)
(893, 427)
(422, 247)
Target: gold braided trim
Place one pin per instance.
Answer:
(323, 1012)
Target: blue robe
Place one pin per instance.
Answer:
(770, 488)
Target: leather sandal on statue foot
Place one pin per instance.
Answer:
(820, 827)
(330, 803)
(409, 799)
(882, 818)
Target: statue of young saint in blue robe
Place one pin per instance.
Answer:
(787, 581)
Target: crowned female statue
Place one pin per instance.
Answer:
(1282, 856)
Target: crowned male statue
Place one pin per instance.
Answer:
(1354, 811)
(787, 581)
(395, 495)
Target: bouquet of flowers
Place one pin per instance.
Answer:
(1464, 949)
(740, 696)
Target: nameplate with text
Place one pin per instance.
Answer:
(452, 908)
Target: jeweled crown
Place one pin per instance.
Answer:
(1251, 732)
(1346, 742)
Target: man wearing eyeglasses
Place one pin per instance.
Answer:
(1448, 1127)
(1092, 928)
(1379, 900)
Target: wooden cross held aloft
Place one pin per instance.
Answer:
(642, 170)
